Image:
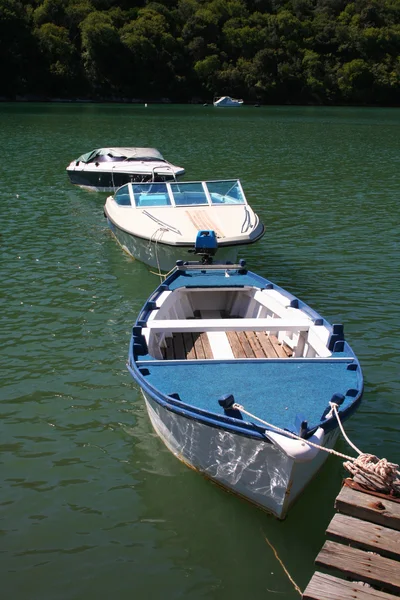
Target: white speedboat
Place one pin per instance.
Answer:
(239, 377)
(227, 101)
(106, 169)
(158, 223)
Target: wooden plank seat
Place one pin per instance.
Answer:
(244, 344)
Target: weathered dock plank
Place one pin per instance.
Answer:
(382, 511)
(365, 535)
(376, 570)
(365, 552)
(328, 587)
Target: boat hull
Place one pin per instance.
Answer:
(158, 255)
(227, 102)
(251, 468)
(102, 181)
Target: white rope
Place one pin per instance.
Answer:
(155, 239)
(367, 470)
(336, 413)
(163, 275)
(293, 435)
(374, 473)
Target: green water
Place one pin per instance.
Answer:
(92, 504)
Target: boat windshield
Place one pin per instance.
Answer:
(188, 194)
(150, 194)
(225, 192)
(122, 196)
(193, 193)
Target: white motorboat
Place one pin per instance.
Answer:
(106, 169)
(240, 379)
(227, 101)
(158, 223)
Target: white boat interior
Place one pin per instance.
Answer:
(206, 335)
(172, 213)
(228, 324)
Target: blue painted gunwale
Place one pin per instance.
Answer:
(140, 363)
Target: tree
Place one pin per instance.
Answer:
(60, 57)
(17, 49)
(150, 44)
(355, 81)
(207, 71)
(101, 45)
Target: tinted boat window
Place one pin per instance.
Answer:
(188, 194)
(150, 194)
(122, 196)
(225, 192)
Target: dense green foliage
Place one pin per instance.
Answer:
(270, 51)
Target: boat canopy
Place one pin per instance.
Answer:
(113, 154)
(188, 193)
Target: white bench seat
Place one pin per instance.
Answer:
(199, 325)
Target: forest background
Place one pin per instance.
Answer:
(268, 51)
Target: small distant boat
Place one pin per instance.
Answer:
(106, 169)
(215, 342)
(227, 101)
(158, 223)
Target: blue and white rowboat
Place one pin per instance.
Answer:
(212, 337)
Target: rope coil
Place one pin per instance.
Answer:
(375, 474)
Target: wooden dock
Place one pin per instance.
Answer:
(363, 550)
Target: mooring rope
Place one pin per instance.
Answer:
(292, 581)
(293, 435)
(155, 239)
(368, 470)
(336, 413)
(373, 473)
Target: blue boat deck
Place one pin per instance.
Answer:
(274, 390)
